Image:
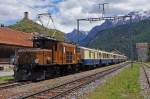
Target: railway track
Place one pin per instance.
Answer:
(144, 66)
(145, 80)
(12, 84)
(64, 89)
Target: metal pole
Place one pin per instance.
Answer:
(131, 43)
(103, 8)
(78, 29)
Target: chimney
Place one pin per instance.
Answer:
(2, 25)
(26, 15)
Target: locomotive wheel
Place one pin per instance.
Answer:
(38, 75)
(75, 68)
(22, 75)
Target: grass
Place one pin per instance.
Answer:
(125, 85)
(6, 78)
(148, 63)
(27, 25)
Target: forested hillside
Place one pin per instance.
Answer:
(27, 25)
(119, 37)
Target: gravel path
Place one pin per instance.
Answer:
(143, 82)
(84, 92)
(34, 87)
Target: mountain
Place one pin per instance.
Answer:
(86, 36)
(140, 15)
(92, 33)
(75, 37)
(27, 25)
(119, 37)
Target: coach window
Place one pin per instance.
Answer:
(99, 55)
(94, 55)
(105, 55)
(89, 54)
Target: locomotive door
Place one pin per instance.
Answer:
(62, 54)
(59, 54)
(54, 58)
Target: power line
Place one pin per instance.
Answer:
(40, 15)
(23, 3)
(50, 18)
(103, 8)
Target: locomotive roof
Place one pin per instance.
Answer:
(32, 50)
(93, 49)
(41, 37)
(44, 38)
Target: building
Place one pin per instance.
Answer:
(10, 41)
(143, 51)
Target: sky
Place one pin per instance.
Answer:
(66, 12)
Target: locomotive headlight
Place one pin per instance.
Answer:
(36, 61)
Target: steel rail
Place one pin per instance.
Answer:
(146, 75)
(12, 84)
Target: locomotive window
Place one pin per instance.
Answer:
(69, 57)
(64, 49)
(74, 51)
(55, 47)
(48, 44)
(77, 49)
(37, 44)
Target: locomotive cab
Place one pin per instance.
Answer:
(29, 62)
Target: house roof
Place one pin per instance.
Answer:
(142, 45)
(115, 51)
(16, 38)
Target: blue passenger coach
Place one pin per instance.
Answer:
(98, 57)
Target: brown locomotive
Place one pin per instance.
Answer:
(61, 53)
(48, 57)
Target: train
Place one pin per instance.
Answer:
(50, 57)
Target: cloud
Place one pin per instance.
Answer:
(66, 12)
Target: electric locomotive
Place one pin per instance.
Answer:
(48, 57)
